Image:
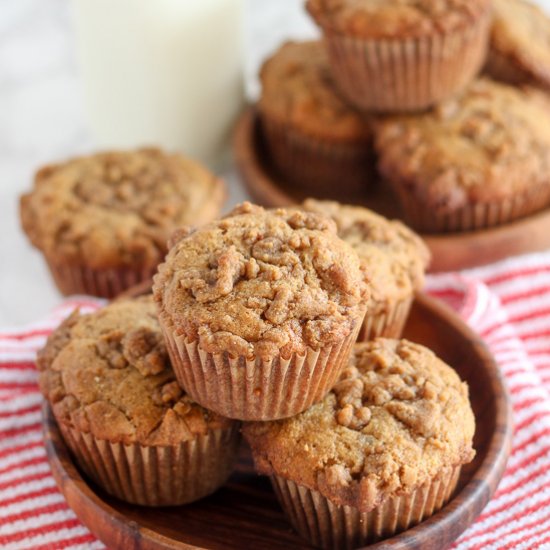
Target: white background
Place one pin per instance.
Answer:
(42, 119)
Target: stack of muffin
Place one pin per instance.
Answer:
(396, 84)
(286, 324)
(287, 320)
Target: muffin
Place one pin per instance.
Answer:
(382, 452)
(519, 51)
(260, 311)
(128, 424)
(403, 56)
(473, 162)
(314, 139)
(393, 258)
(102, 221)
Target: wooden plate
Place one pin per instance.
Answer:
(450, 251)
(244, 514)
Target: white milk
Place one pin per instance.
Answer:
(162, 72)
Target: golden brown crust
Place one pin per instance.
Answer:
(108, 374)
(298, 89)
(393, 257)
(373, 19)
(520, 37)
(489, 144)
(261, 283)
(117, 209)
(397, 418)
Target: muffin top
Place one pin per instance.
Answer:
(393, 257)
(487, 144)
(117, 208)
(397, 417)
(260, 283)
(298, 88)
(108, 374)
(396, 18)
(521, 32)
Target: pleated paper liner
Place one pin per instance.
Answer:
(388, 322)
(256, 389)
(501, 67)
(104, 283)
(407, 74)
(316, 166)
(327, 525)
(157, 475)
(471, 217)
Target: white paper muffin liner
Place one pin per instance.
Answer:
(256, 389)
(326, 525)
(317, 167)
(388, 323)
(471, 217)
(503, 68)
(103, 283)
(407, 74)
(156, 475)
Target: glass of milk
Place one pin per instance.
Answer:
(162, 72)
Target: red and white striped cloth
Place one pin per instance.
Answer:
(507, 303)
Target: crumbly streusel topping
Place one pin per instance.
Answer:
(393, 257)
(108, 374)
(487, 144)
(261, 283)
(396, 18)
(397, 417)
(297, 87)
(521, 32)
(117, 208)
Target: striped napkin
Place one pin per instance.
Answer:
(507, 303)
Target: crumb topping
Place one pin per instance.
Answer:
(393, 257)
(117, 208)
(297, 87)
(108, 374)
(521, 31)
(486, 145)
(262, 283)
(396, 18)
(397, 417)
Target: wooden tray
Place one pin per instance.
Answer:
(450, 252)
(244, 514)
